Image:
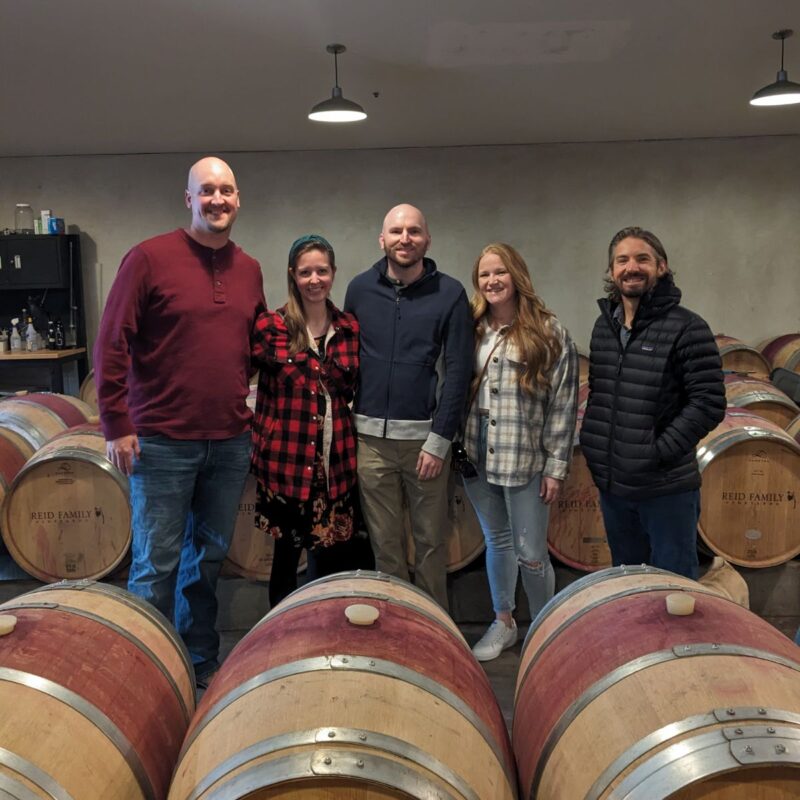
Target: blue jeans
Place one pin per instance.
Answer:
(514, 522)
(660, 531)
(184, 496)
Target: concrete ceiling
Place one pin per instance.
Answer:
(105, 76)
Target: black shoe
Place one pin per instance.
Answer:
(204, 681)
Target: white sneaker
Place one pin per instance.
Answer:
(497, 638)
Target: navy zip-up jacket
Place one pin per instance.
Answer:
(416, 356)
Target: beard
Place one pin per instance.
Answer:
(636, 291)
(408, 261)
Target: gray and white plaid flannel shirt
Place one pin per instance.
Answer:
(527, 434)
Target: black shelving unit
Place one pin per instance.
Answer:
(47, 270)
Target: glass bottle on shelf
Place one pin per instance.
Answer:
(31, 337)
(59, 335)
(23, 218)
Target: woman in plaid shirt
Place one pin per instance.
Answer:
(519, 432)
(304, 451)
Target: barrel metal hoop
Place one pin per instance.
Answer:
(703, 756)
(335, 736)
(356, 595)
(89, 712)
(148, 611)
(333, 763)
(140, 645)
(14, 790)
(636, 590)
(706, 454)
(34, 774)
(568, 592)
(22, 427)
(757, 395)
(674, 729)
(352, 663)
(83, 454)
(625, 671)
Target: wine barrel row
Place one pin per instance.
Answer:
(97, 692)
(705, 705)
(750, 515)
(64, 510)
(750, 467)
(67, 512)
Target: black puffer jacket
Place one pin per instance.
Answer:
(650, 404)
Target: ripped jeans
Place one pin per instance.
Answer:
(514, 522)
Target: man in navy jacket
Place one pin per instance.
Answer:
(416, 365)
(656, 389)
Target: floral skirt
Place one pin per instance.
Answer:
(313, 523)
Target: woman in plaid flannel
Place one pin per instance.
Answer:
(304, 451)
(519, 432)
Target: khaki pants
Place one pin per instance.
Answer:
(387, 467)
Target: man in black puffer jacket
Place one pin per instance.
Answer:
(655, 390)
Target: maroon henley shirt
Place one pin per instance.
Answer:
(172, 354)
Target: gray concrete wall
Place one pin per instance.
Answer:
(728, 212)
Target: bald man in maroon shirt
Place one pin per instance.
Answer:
(172, 362)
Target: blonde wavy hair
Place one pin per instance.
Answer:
(531, 332)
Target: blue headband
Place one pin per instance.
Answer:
(309, 239)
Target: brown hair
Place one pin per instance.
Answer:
(633, 232)
(531, 331)
(294, 317)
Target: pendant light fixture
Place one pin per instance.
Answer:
(783, 92)
(337, 108)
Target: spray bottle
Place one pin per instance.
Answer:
(16, 339)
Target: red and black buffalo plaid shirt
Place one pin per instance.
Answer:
(287, 416)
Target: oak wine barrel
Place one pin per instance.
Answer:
(583, 396)
(14, 452)
(783, 351)
(751, 486)
(465, 540)
(251, 551)
(310, 706)
(583, 367)
(793, 428)
(741, 358)
(88, 391)
(97, 691)
(67, 514)
(576, 534)
(761, 398)
(617, 698)
(39, 416)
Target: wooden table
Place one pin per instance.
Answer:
(51, 360)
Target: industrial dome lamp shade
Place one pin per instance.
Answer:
(337, 108)
(783, 92)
